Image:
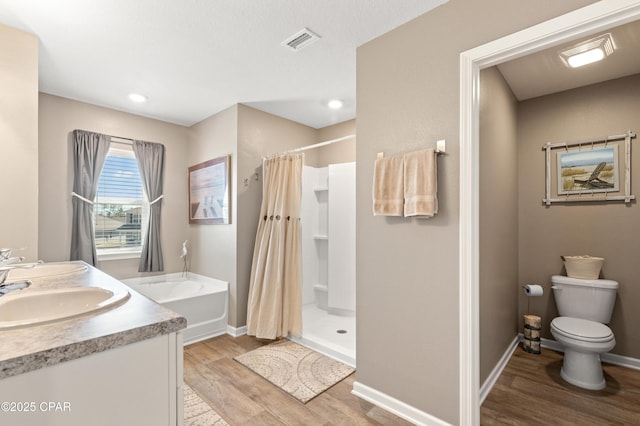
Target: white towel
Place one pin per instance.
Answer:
(420, 183)
(388, 189)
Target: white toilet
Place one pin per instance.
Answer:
(585, 307)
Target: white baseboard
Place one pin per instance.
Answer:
(547, 343)
(623, 361)
(610, 358)
(497, 370)
(236, 332)
(395, 406)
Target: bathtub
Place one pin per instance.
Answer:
(203, 301)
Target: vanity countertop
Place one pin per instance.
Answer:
(30, 348)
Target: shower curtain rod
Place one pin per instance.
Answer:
(319, 144)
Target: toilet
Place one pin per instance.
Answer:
(585, 306)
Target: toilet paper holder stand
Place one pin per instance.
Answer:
(532, 290)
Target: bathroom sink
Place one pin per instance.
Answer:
(45, 270)
(28, 308)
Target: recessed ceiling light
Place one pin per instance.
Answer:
(589, 51)
(137, 97)
(335, 103)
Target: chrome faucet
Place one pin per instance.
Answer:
(9, 287)
(11, 260)
(6, 259)
(6, 287)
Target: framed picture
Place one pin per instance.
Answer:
(585, 171)
(595, 170)
(209, 192)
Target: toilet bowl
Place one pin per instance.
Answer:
(583, 342)
(585, 307)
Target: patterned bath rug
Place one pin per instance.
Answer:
(197, 412)
(299, 371)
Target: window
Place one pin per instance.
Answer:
(120, 205)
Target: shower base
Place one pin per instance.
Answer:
(331, 335)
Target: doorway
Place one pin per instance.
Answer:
(596, 17)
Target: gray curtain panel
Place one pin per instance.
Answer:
(89, 153)
(150, 158)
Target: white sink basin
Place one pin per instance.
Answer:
(26, 308)
(45, 270)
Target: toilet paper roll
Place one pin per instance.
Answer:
(533, 290)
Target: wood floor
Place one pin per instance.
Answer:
(530, 391)
(241, 397)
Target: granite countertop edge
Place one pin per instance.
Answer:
(60, 354)
(134, 321)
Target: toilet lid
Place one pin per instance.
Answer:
(582, 329)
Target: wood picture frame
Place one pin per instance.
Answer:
(591, 170)
(209, 192)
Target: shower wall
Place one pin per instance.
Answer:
(328, 237)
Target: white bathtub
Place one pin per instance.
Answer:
(203, 301)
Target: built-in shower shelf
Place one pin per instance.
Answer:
(321, 188)
(321, 237)
(321, 287)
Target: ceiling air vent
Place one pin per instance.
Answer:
(301, 39)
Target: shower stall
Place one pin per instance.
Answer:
(328, 260)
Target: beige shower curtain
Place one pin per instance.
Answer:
(274, 307)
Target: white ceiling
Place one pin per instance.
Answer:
(544, 72)
(194, 58)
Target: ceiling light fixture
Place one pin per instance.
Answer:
(136, 97)
(589, 51)
(335, 103)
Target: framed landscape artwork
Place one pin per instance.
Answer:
(209, 192)
(594, 170)
(584, 171)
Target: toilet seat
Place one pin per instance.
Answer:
(581, 329)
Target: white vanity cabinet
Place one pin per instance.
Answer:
(137, 384)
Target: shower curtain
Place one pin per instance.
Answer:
(274, 308)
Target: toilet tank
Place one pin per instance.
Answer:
(587, 299)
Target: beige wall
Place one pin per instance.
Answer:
(213, 247)
(225, 251)
(498, 219)
(220, 251)
(339, 152)
(58, 117)
(610, 230)
(407, 270)
(19, 141)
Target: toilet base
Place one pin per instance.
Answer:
(583, 369)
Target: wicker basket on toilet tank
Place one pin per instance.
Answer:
(585, 267)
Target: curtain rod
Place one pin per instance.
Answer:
(126, 141)
(319, 144)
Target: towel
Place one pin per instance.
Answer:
(388, 189)
(420, 184)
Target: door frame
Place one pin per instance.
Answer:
(590, 19)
